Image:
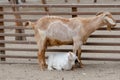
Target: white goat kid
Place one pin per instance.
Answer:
(64, 61)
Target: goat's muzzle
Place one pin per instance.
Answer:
(109, 26)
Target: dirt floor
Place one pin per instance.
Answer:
(93, 70)
(28, 69)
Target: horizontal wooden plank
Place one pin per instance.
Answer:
(18, 49)
(17, 42)
(64, 5)
(16, 34)
(52, 13)
(23, 20)
(17, 20)
(60, 50)
(102, 44)
(15, 56)
(83, 58)
(88, 43)
(31, 35)
(13, 27)
(105, 36)
(115, 28)
(22, 27)
(101, 59)
(101, 51)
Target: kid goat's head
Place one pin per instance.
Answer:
(72, 57)
(107, 19)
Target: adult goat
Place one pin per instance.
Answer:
(54, 31)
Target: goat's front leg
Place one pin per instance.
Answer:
(85, 40)
(79, 57)
(77, 49)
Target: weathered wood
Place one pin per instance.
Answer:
(95, 1)
(46, 8)
(2, 37)
(23, 20)
(52, 13)
(61, 50)
(31, 35)
(74, 13)
(23, 1)
(17, 16)
(74, 9)
(17, 1)
(83, 58)
(87, 44)
(66, 0)
(77, 1)
(21, 27)
(64, 5)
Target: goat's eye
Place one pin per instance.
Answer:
(107, 15)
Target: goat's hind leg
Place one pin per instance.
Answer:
(41, 54)
(41, 58)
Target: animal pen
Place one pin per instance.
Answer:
(26, 12)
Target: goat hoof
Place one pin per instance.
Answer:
(81, 66)
(42, 69)
(46, 65)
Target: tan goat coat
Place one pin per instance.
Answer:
(54, 30)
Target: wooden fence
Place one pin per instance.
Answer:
(74, 12)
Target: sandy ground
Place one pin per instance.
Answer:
(28, 69)
(93, 70)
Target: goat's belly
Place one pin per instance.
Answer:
(59, 33)
(55, 42)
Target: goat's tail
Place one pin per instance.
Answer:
(29, 24)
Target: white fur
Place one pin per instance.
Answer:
(61, 61)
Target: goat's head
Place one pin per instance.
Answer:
(29, 24)
(72, 57)
(107, 19)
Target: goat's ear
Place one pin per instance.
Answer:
(109, 20)
(99, 13)
(70, 55)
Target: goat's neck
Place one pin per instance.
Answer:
(90, 26)
(93, 24)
